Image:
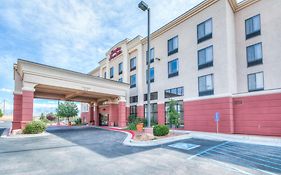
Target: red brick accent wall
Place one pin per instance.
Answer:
(113, 114)
(127, 114)
(17, 111)
(27, 107)
(199, 115)
(122, 114)
(140, 111)
(258, 115)
(161, 114)
(85, 116)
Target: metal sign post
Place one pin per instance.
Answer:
(217, 119)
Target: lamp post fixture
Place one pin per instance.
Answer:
(143, 6)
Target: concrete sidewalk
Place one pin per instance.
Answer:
(250, 139)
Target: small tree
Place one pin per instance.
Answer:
(67, 109)
(51, 116)
(1, 113)
(173, 115)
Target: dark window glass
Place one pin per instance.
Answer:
(151, 75)
(120, 68)
(255, 82)
(133, 110)
(173, 45)
(120, 79)
(153, 96)
(254, 54)
(151, 55)
(111, 72)
(153, 113)
(133, 63)
(173, 68)
(133, 81)
(253, 26)
(174, 92)
(134, 99)
(205, 57)
(205, 84)
(179, 109)
(204, 31)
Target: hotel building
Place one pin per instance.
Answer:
(219, 56)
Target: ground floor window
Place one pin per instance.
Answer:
(133, 110)
(179, 109)
(153, 113)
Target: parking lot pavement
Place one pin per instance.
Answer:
(97, 151)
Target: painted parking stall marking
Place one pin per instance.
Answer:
(184, 146)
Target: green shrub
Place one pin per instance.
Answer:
(34, 127)
(132, 118)
(1, 113)
(160, 130)
(78, 121)
(132, 126)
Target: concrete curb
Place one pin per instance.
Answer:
(128, 141)
(26, 135)
(249, 139)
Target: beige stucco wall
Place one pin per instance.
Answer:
(229, 50)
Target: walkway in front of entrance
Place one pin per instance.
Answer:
(33, 80)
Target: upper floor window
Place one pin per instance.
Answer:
(253, 26)
(133, 63)
(205, 57)
(120, 68)
(134, 99)
(255, 82)
(153, 96)
(133, 81)
(133, 110)
(254, 54)
(151, 74)
(173, 68)
(151, 56)
(111, 72)
(173, 45)
(206, 85)
(175, 92)
(204, 31)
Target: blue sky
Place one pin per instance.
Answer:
(72, 34)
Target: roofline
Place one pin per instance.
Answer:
(67, 70)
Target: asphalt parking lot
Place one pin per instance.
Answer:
(97, 151)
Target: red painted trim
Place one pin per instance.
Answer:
(116, 129)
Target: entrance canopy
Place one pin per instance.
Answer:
(34, 80)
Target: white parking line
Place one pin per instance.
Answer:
(198, 154)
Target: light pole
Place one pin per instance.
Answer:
(143, 6)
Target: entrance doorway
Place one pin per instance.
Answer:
(103, 119)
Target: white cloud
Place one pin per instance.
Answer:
(6, 90)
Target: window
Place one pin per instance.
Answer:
(120, 68)
(120, 79)
(153, 96)
(173, 68)
(255, 82)
(173, 45)
(175, 92)
(253, 26)
(205, 57)
(133, 64)
(151, 75)
(204, 31)
(254, 54)
(84, 107)
(205, 84)
(134, 99)
(104, 75)
(133, 81)
(179, 109)
(153, 113)
(151, 56)
(111, 72)
(133, 110)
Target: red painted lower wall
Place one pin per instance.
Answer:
(259, 115)
(161, 114)
(140, 111)
(199, 115)
(85, 117)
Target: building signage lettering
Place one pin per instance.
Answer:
(115, 52)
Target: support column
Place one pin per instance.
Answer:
(91, 109)
(96, 115)
(17, 114)
(140, 111)
(122, 113)
(161, 113)
(27, 107)
(113, 114)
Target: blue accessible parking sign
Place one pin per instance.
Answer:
(217, 116)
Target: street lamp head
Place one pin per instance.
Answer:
(142, 5)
